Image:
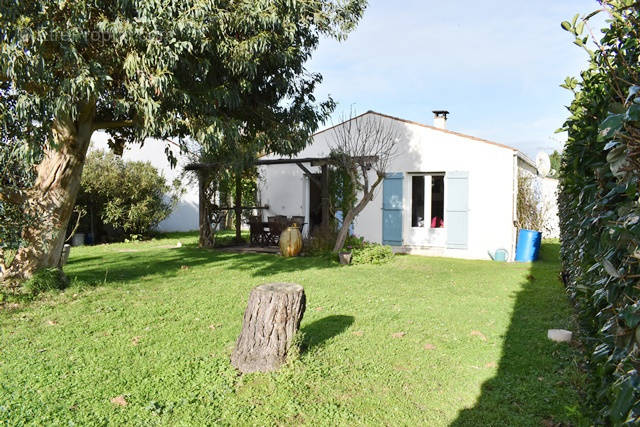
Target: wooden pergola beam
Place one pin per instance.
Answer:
(314, 161)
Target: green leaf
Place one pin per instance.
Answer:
(633, 113)
(609, 126)
(566, 25)
(633, 91)
(610, 145)
(631, 316)
(610, 269)
(624, 401)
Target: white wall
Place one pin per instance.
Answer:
(421, 149)
(185, 215)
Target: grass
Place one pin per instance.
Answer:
(155, 324)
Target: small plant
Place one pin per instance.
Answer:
(354, 242)
(372, 253)
(46, 280)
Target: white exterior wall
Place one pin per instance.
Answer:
(421, 149)
(185, 215)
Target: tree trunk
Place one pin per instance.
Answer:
(228, 220)
(53, 196)
(238, 207)
(352, 214)
(270, 323)
(206, 235)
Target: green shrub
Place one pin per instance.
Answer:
(44, 280)
(354, 242)
(599, 209)
(362, 252)
(371, 253)
(130, 198)
(321, 243)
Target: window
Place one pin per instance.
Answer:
(437, 201)
(427, 191)
(417, 201)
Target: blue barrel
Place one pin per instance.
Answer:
(528, 247)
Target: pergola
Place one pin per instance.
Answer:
(322, 162)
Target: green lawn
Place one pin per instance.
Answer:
(156, 324)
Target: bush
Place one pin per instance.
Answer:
(532, 208)
(321, 243)
(130, 198)
(371, 253)
(46, 280)
(600, 213)
(362, 252)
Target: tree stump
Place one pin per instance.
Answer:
(271, 320)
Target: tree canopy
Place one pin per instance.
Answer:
(201, 68)
(221, 72)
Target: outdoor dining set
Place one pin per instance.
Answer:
(267, 233)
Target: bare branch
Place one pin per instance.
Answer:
(358, 145)
(81, 213)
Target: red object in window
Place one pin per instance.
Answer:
(437, 222)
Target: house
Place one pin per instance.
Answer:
(445, 193)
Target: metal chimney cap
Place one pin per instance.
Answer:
(441, 113)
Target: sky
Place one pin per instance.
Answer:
(496, 65)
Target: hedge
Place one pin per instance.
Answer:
(599, 206)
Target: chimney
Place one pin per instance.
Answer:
(440, 118)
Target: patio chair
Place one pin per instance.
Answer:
(256, 231)
(273, 235)
(277, 225)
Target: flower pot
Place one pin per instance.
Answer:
(345, 258)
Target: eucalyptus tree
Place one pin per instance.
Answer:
(211, 70)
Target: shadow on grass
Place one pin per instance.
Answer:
(537, 381)
(125, 265)
(316, 333)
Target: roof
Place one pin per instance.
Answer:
(473, 138)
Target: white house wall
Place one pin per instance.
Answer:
(185, 215)
(421, 149)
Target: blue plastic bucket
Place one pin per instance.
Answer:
(528, 248)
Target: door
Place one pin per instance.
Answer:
(426, 225)
(392, 209)
(315, 202)
(457, 214)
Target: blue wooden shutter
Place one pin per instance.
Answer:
(456, 219)
(392, 209)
